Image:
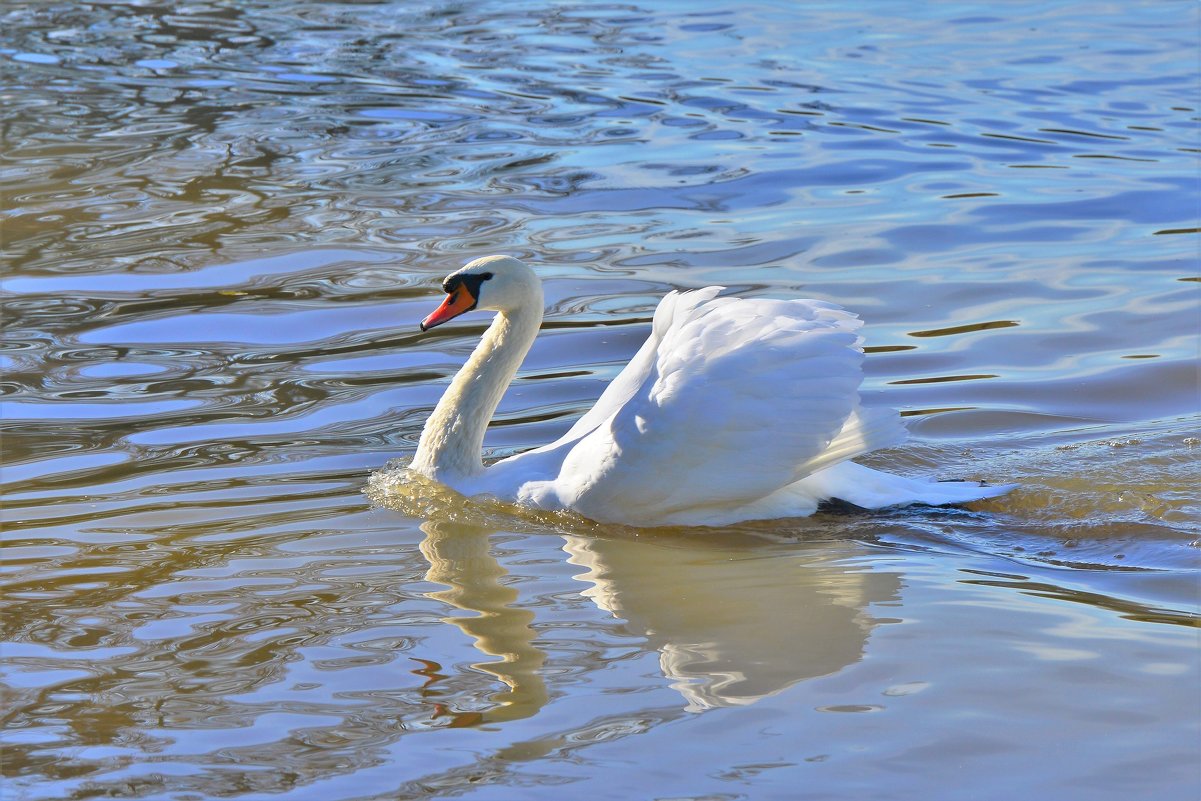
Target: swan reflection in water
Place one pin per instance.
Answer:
(460, 558)
(733, 618)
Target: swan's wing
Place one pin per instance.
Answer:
(739, 396)
(632, 376)
(529, 476)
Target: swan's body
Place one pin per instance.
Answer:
(734, 409)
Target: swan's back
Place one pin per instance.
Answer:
(728, 401)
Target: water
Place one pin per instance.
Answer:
(223, 222)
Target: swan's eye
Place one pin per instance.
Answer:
(486, 276)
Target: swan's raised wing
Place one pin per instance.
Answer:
(632, 376)
(529, 476)
(737, 397)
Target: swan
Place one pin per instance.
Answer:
(734, 409)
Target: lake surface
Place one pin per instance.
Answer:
(223, 221)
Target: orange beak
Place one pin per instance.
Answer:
(457, 302)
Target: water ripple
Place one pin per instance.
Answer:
(224, 221)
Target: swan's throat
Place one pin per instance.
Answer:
(453, 439)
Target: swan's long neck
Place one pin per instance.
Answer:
(453, 439)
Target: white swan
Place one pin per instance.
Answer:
(734, 409)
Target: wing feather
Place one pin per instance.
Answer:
(627, 382)
(731, 402)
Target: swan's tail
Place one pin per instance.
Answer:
(874, 489)
(831, 475)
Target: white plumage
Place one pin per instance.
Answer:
(734, 409)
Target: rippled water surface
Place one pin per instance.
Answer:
(222, 222)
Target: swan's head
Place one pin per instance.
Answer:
(493, 283)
